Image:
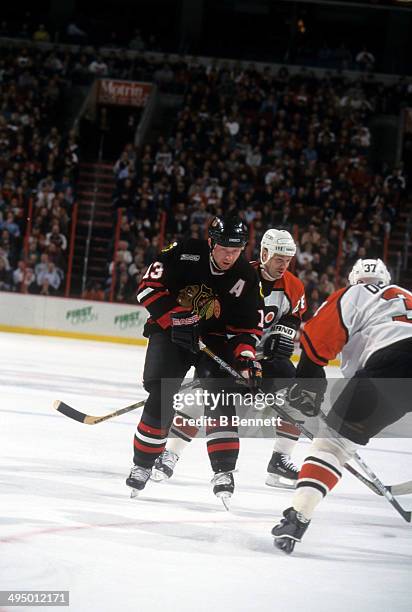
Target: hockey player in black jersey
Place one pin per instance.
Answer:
(284, 305)
(207, 289)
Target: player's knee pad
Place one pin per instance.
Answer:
(341, 448)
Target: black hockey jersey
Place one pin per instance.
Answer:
(182, 279)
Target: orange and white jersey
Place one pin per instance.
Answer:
(358, 321)
(285, 296)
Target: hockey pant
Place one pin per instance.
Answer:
(165, 367)
(376, 397)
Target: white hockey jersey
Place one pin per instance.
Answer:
(358, 321)
(285, 296)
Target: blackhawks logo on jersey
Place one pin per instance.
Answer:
(200, 299)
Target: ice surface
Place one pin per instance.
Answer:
(67, 522)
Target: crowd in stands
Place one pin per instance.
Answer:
(75, 33)
(38, 168)
(107, 29)
(286, 151)
(338, 57)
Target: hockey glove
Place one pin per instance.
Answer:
(307, 396)
(280, 342)
(250, 369)
(185, 330)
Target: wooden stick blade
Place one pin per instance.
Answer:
(403, 488)
(89, 419)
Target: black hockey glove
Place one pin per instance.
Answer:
(250, 369)
(185, 330)
(280, 342)
(307, 395)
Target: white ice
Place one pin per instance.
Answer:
(67, 522)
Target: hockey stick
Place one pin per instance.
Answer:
(406, 514)
(402, 488)
(374, 483)
(89, 419)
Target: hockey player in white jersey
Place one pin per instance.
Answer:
(285, 303)
(370, 323)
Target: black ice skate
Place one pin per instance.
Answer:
(137, 479)
(223, 486)
(281, 472)
(164, 466)
(290, 530)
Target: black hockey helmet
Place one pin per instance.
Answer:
(228, 232)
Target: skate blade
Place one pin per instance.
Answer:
(279, 482)
(158, 476)
(225, 502)
(134, 493)
(224, 498)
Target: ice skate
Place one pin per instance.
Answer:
(281, 472)
(290, 530)
(137, 479)
(223, 487)
(164, 466)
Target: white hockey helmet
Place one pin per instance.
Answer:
(276, 242)
(371, 271)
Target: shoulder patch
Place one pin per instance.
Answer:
(171, 246)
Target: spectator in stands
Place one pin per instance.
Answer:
(365, 59)
(396, 181)
(41, 34)
(56, 238)
(24, 31)
(52, 275)
(123, 287)
(23, 278)
(98, 67)
(8, 246)
(6, 280)
(76, 34)
(137, 42)
(311, 236)
(10, 225)
(42, 266)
